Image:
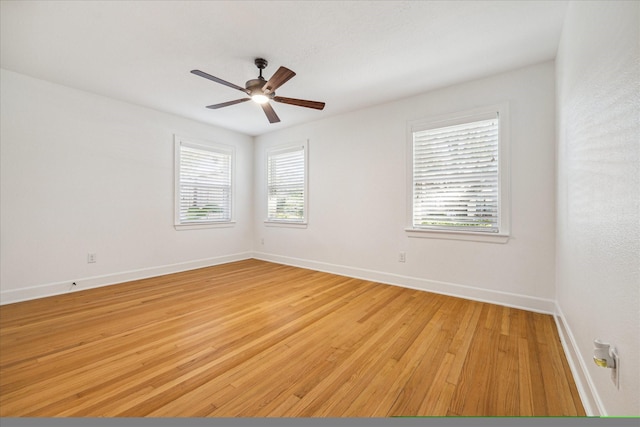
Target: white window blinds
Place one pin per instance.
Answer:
(204, 184)
(456, 177)
(286, 185)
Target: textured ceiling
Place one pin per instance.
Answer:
(349, 54)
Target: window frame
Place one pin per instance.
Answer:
(281, 149)
(504, 160)
(179, 142)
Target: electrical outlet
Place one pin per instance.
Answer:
(402, 257)
(91, 258)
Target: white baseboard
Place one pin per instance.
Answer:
(462, 291)
(58, 288)
(590, 399)
(540, 305)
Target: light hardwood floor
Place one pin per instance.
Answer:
(253, 338)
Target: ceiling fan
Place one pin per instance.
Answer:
(262, 91)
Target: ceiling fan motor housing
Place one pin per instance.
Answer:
(256, 85)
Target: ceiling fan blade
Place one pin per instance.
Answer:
(300, 102)
(226, 104)
(218, 80)
(271, 115)
(278, 79)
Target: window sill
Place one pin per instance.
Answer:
(204, 225)
(457, 235)
(288, 224)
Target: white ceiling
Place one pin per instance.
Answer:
(349, 54)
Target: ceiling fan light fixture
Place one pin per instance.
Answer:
(260, 98)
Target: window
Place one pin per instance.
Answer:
(287, 184)
(459, 177)
(204, 188)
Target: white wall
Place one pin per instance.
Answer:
(83, 173)
(598, 231)
(357, 197)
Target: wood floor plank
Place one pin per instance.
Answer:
(253, 338)
(426, 368)
(508, 401)
(525, 388)
(536, 362)
(461, 342)
(433, 401)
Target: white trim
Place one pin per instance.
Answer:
(58, 288)
(284, 223)
(201, 144)
(586, 389)
(504, 171)
(281, 149)
(199, 226)
(535, 304)
(508, 299)
(457, 235)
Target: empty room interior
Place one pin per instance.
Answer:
(320, 209)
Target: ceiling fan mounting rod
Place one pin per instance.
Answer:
(261, 63)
